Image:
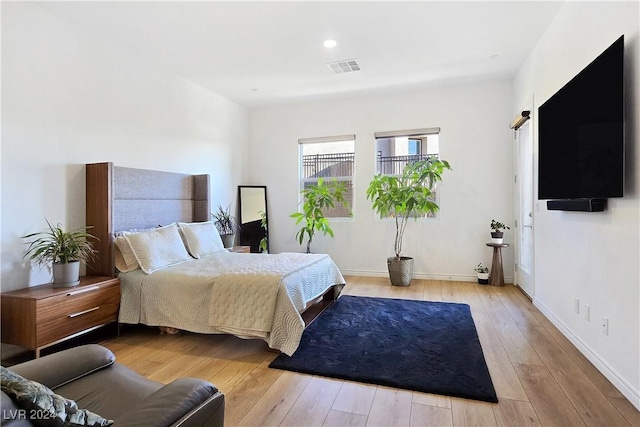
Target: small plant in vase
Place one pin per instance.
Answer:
(226, 224)
(61, 251)
(497, 231)
(483, 274)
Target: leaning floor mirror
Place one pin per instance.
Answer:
(252, 200)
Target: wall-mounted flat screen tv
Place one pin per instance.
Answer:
(581, 133)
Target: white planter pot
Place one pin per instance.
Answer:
(496, 241)
(66, 274)
(483, 278)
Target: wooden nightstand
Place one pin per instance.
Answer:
(240, 249)
(40, 316)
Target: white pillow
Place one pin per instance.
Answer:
(125, 259)
(158, 248)
(201, 238)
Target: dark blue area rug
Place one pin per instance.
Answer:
(425, 346)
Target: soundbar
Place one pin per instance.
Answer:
(577, 205)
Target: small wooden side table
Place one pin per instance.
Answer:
(240, 249)
(497, 275)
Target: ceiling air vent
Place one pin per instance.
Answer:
(344, 66)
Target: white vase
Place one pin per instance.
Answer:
(66, 274)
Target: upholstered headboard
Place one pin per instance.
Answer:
(121, 198)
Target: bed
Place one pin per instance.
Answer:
(214, 291)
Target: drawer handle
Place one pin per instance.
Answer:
(83, 290)
(71, 316)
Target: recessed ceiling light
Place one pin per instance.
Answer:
(330, 43)
(254, 90)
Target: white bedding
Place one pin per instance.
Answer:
(259, 295)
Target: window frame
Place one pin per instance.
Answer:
(410, 134)
(345, 178)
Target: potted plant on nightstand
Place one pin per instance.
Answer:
(483, 274)
(63, 250)
(316, 198)
(402, 197)
(497, 231)
(226, 225)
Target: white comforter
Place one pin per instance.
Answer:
(247, 295)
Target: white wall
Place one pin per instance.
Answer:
(68, 99)
(591, 256)
(474, 138)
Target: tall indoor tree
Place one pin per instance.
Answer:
(402, 197)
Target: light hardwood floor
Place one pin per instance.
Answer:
(539, 376)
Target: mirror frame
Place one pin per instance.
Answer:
(243, 237)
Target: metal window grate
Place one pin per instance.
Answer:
(394, 165)
(328, 165)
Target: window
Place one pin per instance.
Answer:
(396, 149)
(329, 158)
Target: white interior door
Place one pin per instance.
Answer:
(524, 209)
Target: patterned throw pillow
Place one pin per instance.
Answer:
(44, 407)
(158, 248)
(201, 238)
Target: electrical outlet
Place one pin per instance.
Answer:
(576, 305)
(605, 325)
(587, 312)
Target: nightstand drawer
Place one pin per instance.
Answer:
(66, 325)
(65, 315)
(75, 300)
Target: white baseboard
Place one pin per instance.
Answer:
(426, 276)
(602, 365)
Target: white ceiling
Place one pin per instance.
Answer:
(277, 48)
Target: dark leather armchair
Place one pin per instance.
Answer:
(90, 376)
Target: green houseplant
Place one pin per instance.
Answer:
(483, 274)
(226, 224)
(263, 246)
(402, 197)
(63, 250)
(497, 231)
(316, 198)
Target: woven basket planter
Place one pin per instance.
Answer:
(400, 270)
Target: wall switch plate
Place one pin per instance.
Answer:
(576, 305)
(587, 312)
(605, 325)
